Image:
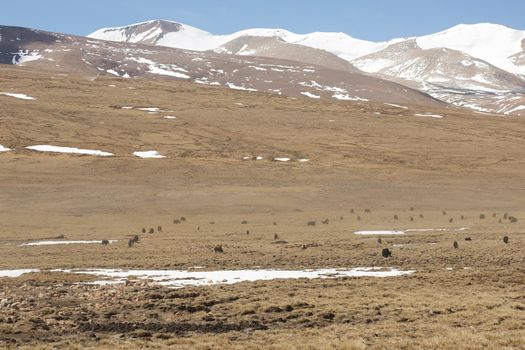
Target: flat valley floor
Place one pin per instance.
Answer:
(370, 167)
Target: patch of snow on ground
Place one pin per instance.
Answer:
(312, 83)
(4, 149)
(258, 68)
(111, 71)
(237, 87)
(160, 71)
(180, 278)
(435, 229)
(380, 232)
(397, 106)
(201, 81)
(20, 96)
(515, 109)
(61, 242)
(309, 94)
(148, 154)
(282, 159)
(346, 97)
(72, 150)
(16, 273)
(149, 109)
(170, 117)
(25, 56)
(428, 115)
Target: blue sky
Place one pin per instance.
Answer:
(364, 19)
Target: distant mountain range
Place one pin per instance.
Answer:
(68, 54)
(479, 66)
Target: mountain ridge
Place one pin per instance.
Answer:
(480, 66)
(349, 48)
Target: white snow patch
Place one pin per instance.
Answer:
(397, 106)
(515, 109)
(148, 154)
(312, 83)
(111, 71)
(4, 149)
(170, 117)
(203, 81)
(346, 97)
(17, 272)
(20, 96)
(380, 232)
(372, 65)
(436, 229)
(428, 115)
(61, 242)
(282, 159)
(309, 94)
(72, 150)
(258, 68)
(180, 278)
(149, 109)
(237, 87)
(26, 56)
(161, 71)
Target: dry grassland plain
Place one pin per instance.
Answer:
(371, 167)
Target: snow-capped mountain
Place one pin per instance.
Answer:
(449, 75)
(162, 33)
(493, 43)
(183, 36)
(62, 53)
(479, 66)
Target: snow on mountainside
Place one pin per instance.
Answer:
(479, 66)
(162, 33)
(275, 47)
(71, 54)
(183, 36)
(490, 42)
(449, 75)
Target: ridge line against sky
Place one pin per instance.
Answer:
(374, 20)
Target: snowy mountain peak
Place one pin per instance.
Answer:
(493, 43)
(151, 32)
